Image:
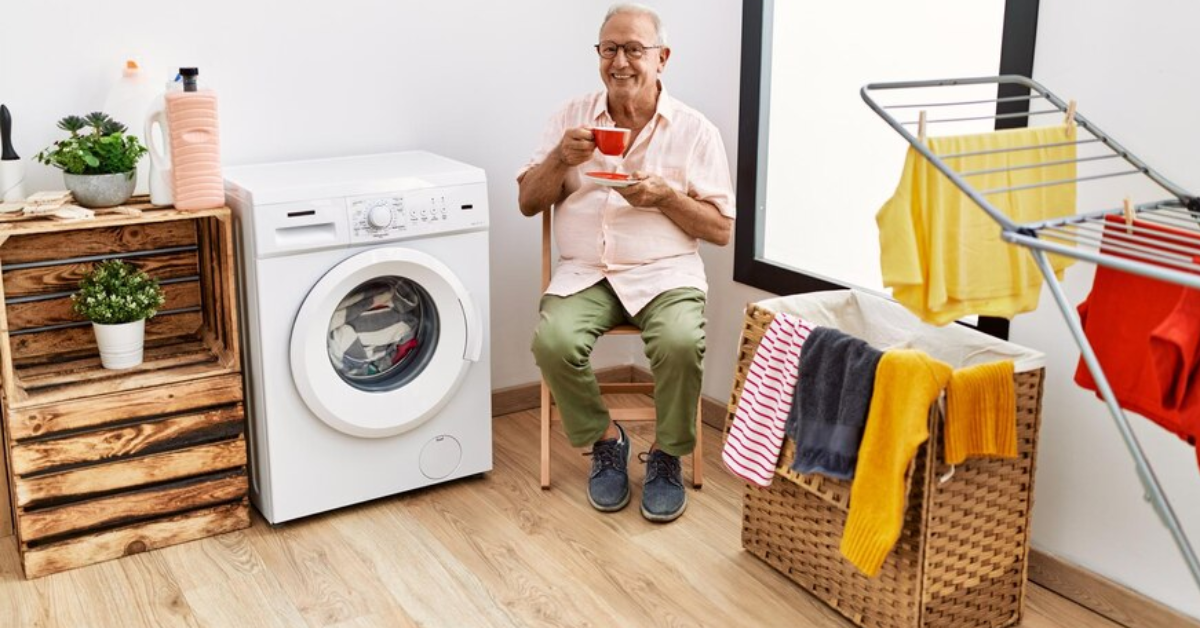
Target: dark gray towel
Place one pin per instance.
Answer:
(833, 396)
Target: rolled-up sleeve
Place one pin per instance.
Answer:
(709, 179)
(551, 136)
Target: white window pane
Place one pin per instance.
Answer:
(831, 161)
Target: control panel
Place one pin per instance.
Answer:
(416, 213)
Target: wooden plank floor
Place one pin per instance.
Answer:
(493, 551)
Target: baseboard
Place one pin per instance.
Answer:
(713, 411)
(1103, 596)
(528, 396)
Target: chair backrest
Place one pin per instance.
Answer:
(547, 240)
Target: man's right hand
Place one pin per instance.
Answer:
(576, 147)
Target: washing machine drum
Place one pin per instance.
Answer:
(382, 342)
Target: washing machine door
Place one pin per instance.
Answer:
(382, 341)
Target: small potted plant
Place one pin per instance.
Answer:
(98, 160)
(118, 298)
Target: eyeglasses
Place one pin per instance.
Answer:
(633, 50)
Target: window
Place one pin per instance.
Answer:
(814, 162)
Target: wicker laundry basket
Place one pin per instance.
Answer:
(961, 558)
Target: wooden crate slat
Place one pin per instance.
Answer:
(7, 352)
(6, 509)
(101, 221)
(125, 507)
(136, 379)
(228, 268)
(130, 440)
(76, 340)
(35, 385)
(206, 277)
(36, 374)
(58, 557)
(82, 241)
(176, 398)
(58, 311)
(216, 259)
(115, 476)
(66, 277)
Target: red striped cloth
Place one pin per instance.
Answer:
(756, 436)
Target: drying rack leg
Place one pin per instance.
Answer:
(1154, 492)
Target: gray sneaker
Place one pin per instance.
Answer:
(663, 495)
(608, 484)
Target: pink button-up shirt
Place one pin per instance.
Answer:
(641, 251)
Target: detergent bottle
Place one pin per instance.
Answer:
(158, 141)
(126, 102)
(195, 146)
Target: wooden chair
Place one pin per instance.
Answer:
(550, 410)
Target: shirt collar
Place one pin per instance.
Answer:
(664, 108)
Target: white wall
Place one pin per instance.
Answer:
(476, 80)
(472, 80)
(1133, 72)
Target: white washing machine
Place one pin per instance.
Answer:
(365, 318)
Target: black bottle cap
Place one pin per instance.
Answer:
(189, 71)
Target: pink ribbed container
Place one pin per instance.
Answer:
(195, 150)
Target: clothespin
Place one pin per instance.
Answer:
(946, 478)
(1129, 214)
(939, 412)
(1070, 121)
(921, 126)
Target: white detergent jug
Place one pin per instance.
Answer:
(127, 102)
(158, 141)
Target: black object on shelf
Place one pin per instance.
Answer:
(6, 148)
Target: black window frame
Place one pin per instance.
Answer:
(1016, 57)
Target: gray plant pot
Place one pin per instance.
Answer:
(101, 190)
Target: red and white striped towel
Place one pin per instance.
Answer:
(756, 436)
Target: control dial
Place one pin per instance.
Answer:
(379, 217)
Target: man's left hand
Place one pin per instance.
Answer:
(650, 191)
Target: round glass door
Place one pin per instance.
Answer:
(383, 333)
(383, 341)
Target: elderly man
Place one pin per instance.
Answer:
(629, 255)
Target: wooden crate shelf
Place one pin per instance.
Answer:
(102, 463)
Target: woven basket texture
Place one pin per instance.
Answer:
(961, 558)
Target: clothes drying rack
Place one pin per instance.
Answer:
(1141, 250)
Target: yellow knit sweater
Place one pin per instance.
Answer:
(981, 413)
(941, 255)
(907, 382)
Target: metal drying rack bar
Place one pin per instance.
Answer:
(1171, 255)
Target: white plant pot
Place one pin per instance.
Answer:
(120, 345)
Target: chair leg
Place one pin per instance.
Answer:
(546, 410)
(698, 452)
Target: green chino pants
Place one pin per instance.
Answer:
(673, 334)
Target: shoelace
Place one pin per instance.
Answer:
(605, 455)
(660, 464)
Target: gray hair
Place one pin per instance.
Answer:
(633, 7)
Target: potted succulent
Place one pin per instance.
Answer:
(98, 160)
(118, 298)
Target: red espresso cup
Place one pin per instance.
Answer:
(611, 140)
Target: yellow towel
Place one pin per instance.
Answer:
(981, 413)
(942, 255)
(907, 382)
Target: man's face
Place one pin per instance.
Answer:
(626, 77)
